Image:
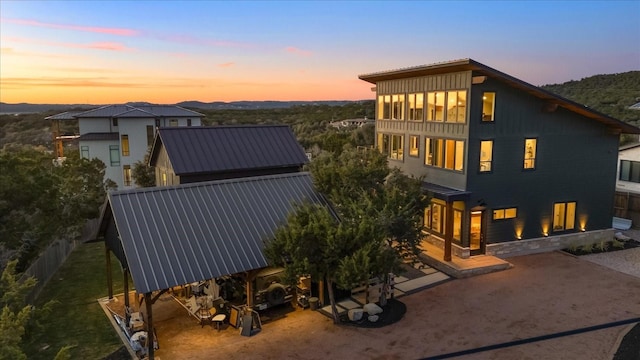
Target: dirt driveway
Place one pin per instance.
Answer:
(542, 294)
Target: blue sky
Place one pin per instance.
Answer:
(166, 51)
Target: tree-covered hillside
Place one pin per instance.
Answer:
(609, 94)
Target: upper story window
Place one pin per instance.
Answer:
(444, 153)
(488, 106)
(414, 142)
(564, 216)
(435, 105)
(384, 107)
(397, 105)
(530, 148)
(114, 155)
(188, 122)
(84, 152)
(391, 145)
(125, 145)
(114, 121)
(157, 123)
(150, 135)
(630, 171)
(416, 106)
(456, 106)
(173, 122)
(486, 155)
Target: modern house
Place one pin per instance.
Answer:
(120, 135)
(511, 168)
(628, 179)
(185, 155)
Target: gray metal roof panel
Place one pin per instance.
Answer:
(69, 115)
(110, 111)
(194, 150)
(99, 136)
(181, 234)
(169, 110)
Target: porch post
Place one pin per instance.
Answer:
(448, 237)
(125, 277)
(109, 280)
(150, 334)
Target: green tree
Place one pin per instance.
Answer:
(143, 174)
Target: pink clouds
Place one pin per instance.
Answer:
(109, 46)
(101, 30)
(227, 64)
(297, 51)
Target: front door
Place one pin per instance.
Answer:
(476, 234)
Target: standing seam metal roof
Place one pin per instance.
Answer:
(182, 234)
(112, 111)
(194, 150)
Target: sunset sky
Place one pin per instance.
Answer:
(102, 52)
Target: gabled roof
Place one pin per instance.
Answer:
(144, 111)
(479, 69)
(69, 115)
(99, 136)
(218, 149)
(176, 235)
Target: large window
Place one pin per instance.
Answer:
(126, 175)
(397, 104)
(114, 122)
(564, 216)
(488, 106)
(416, 107)
(173, 122)
(507, 213)
(391, 145)
(114, 155)
(456, 106)
(435, 106)
(530, 148)
(414, 142)
(384, 107)
(444, 153)
(630, 171)
(435, 217)
(486, 155)
(150, 135)
(84, 152)
(125, 145)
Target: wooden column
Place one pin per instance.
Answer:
(150, 334)
(448, 237)
(109, 280)
(126, 294)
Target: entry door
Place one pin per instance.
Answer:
(476, 234)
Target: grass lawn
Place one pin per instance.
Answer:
(77, 319)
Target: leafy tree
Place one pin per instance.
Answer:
(376, 207)
(143, 174)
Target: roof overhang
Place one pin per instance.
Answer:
(445, 193)
(479, 69)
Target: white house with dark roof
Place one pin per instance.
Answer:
(628, 179)
(120, 135)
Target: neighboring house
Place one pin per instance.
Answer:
(628, 179)
(120, 135)
(635, 106)
(187, 155)
(349, 123)
(511, 168)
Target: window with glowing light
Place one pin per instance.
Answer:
(488, 106)
(391, 145)
(456, 106)
(503, 214)
(530, 149)
(564, 216)
(435, 106)
(126, 175)
(435, 217)
(414, 141)
(125, 145)
(416, 106)
(444, 153)
(384, 107)
(397, 106)
(486, 155)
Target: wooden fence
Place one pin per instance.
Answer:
(626, 205)
(46, 265)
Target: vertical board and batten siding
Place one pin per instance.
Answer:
(178, 235)
(575, 161)
(163, 166)
(415, 165)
